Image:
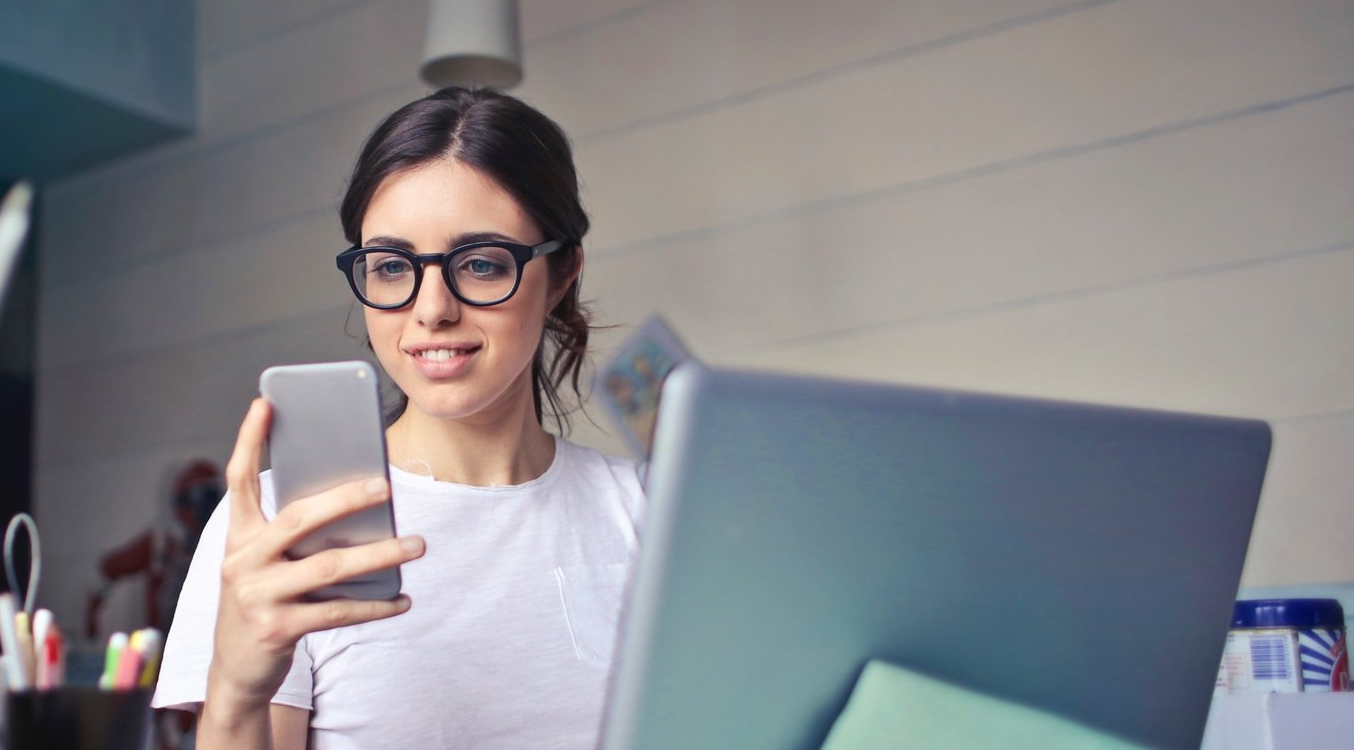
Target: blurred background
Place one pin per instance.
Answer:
(1139, 202)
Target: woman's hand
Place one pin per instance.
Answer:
(262, 614)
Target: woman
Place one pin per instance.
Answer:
(517, 541)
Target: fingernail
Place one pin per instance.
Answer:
(412, 543)
(376, 487)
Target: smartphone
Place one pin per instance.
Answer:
(327, 430)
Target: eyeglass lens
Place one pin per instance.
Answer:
(481, 274)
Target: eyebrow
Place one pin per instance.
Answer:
(457, 240)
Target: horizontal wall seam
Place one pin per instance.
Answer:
(155, 162)
(1036, 300)
(246, 44)
(1319, 416)
(712, 231)
(1289, 256)
(596, 24)
(234, 140)
(210, 339)
(961, 175)
(842, 70)
(130, 267)
(68, 462)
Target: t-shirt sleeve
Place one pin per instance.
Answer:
(188, 647)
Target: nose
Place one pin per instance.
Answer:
(435, 305)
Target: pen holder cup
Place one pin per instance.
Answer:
(79, 718)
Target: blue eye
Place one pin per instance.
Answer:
(388, 268)
(482, 268)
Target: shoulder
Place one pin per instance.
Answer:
(581, 462)
(613, 478)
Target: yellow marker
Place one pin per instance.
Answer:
(153, 646)
(27, 659)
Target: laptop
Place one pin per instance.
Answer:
(1082, 560)
(13, 226)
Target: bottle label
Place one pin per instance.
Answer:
(1263, 660)
(1285, 660)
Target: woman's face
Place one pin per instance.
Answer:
(456, 361)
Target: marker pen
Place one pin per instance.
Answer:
(153, 648)
(117, 642)
(9, 641)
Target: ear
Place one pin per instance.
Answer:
(561, 288)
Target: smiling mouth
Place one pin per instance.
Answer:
(442, 355)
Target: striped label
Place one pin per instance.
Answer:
(1325, 662)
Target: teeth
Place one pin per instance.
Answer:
(439, 355)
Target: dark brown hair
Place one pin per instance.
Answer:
(529, 156)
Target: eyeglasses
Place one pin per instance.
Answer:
(477, 273)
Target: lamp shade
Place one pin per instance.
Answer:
(472, 43)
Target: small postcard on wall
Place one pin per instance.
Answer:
(630, 382)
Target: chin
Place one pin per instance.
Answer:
(476, 395)
(438, 408)
(458, 405)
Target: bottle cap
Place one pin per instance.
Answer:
(1288, 613)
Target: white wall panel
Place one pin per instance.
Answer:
(273, 275)
(743, 48)
(1267, 340)
(571, 72)
(545, 20)
(769, 142)
(1270, 184)
(224, 192)
(227, 26)
(262, 70)
(1302, 526)
(1244, 189)
(178, 393)
(372, 46)
(1075, 79)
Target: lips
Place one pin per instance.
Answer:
(440, 361)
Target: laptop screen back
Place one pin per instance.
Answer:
(1081, 560)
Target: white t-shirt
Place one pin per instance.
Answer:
(510, 636)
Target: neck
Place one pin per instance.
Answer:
(506, 449)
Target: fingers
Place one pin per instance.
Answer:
(242, 471)
(296, 521)
(294, 579)
(339, 612)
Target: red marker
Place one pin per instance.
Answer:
(52, 660)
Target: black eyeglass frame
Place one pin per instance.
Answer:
(520, 253)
